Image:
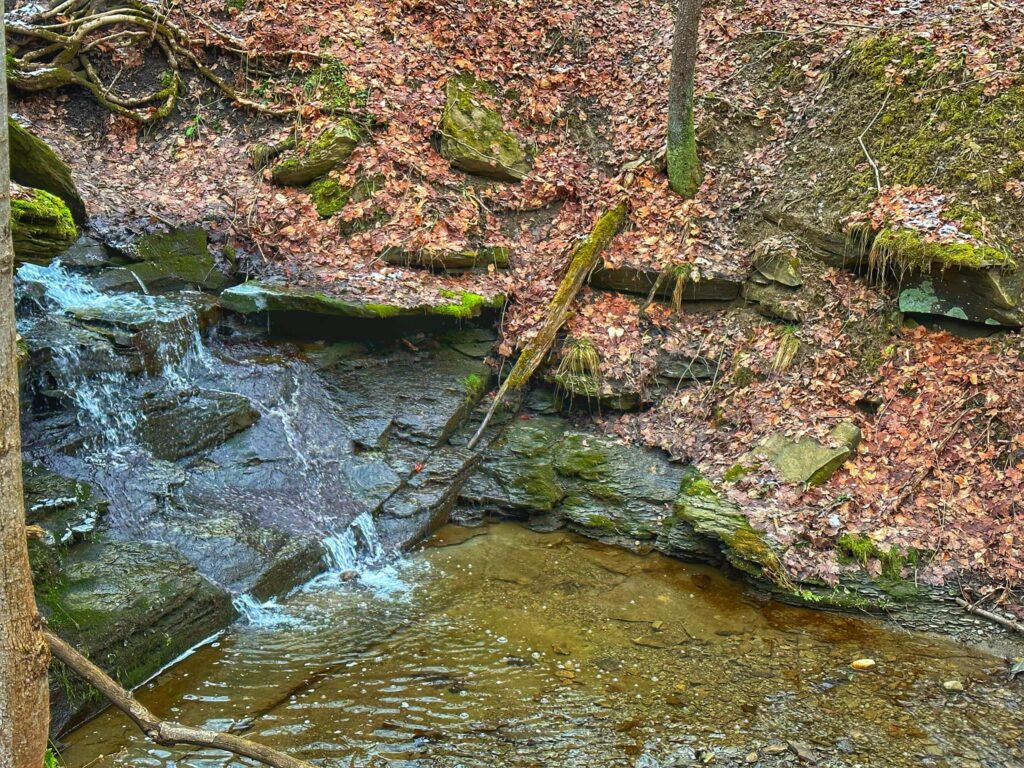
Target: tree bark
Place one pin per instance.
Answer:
(584, 258)
(24, 659)
(164, 732)
(684, 174)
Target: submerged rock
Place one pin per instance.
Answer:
(808, 461)
(166, 261)
(35, 164)
(473, 135)
(41, 225)
(190, 422)
(311, 160)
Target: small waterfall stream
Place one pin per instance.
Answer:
(107, 355)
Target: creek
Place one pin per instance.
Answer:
(269, 486)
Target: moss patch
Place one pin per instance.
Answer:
(41, 225)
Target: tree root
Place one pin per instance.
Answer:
(164, 732)
(56, 47)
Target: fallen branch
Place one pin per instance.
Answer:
(1001, 620)
(584, 258)
(164, 732)
(863, 146)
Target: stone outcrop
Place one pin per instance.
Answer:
(41, 225)
(554, 476)
(34, 164)
(467, 260)
(258, 297)
(473, 134)
(643, 280)
(189, 422)
(314, 159)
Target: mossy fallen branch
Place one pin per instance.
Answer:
(585, 257)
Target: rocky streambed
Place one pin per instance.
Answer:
(191, 467)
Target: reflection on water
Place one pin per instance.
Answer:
(512, 648)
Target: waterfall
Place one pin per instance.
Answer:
(95, 373)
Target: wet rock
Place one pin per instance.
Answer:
(311, 160)
(190, 422)
(862, 664)
(473, 135)
(131, 607)
(35, 164)
(165, 261)
(41, 225)
(808, 461)
(86, 252)
(67, 510)
(953, 686)
(701, 508)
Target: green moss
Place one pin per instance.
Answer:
(474, 386)
(328, 196)
(856, 547)
(469, 304)
(41, 225)
(908, 250)
(473, 135)
(601, 522)
(939, 128)
(580, 456)
(734, 473)
(329, 85)
(695, 484)
(312, 160)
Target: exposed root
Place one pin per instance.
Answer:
(56, 47)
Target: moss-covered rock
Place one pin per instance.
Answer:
(41, 225)
(131, 607)
(314, 159)
(34, 164)
(708, 513)
(255, 297)
(166, 261)
(808, 461)
(473, 135)
(329, 196)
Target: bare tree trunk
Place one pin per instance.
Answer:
(684, 174)
(24, 658)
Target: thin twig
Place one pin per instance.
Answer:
(863, 146)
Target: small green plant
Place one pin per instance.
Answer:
(579, 372)
(329, 84)
(194, 127)
(789, 346)
(51, 760)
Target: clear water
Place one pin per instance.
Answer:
(512, 648)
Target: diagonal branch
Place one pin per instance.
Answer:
(164, 732)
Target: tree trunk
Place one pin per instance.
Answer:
(24, 658)
(684, 175)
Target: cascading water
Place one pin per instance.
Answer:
(164, 335)
(107, 355)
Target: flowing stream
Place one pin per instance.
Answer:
(493, 646)
(512, 648)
